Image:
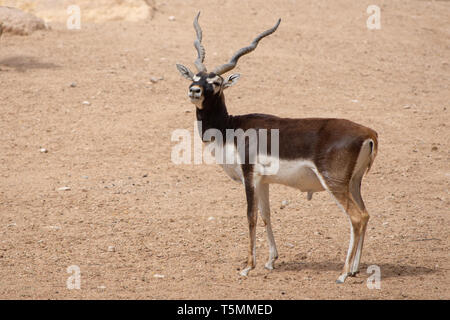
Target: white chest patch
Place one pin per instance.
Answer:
(231, 165)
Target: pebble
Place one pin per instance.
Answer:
(43, 150)
(111, 249)
(64, 189)
(73, 84)
(211, 218)
(156, 79)
(86, 103)
(53, 227)
(172, 18)
(158, 275)
(284, 203)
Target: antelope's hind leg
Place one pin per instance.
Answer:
(338, 188)
(352, 204)
(354, 187)
(355, 193)
(357, 227)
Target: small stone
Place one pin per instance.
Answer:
(53, 227)
(86, 103)
(43, 150)
(64, 189)
(172, 18)
(407, 107)
(73, 84)
(156, 79)
(145, 175)
(284, 203)
(111, 249)
(290, 245)
(101, 287)
(355, 101)
(434, 148)
(211, 218)
(159, 276)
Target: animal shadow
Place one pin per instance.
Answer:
(24, 63)
(388, 270)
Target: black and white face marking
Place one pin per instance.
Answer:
(216, 82)
(205, 85)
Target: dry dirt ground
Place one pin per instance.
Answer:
(131, 213)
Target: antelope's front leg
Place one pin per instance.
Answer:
(262, 194)
(252, 217)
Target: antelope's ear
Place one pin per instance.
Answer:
(231, 80)
(185, 72)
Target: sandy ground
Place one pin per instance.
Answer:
(131, 214)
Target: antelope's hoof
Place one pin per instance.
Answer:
(342, 278)
(245, 272)
(269, 265)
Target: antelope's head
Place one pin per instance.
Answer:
(207, 85)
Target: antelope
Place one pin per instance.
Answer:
(315, 154)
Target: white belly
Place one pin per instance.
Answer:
(298, 174)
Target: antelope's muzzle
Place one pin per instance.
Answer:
(195, 92)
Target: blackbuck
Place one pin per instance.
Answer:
(315, 154)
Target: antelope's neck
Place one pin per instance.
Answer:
(214, 115)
